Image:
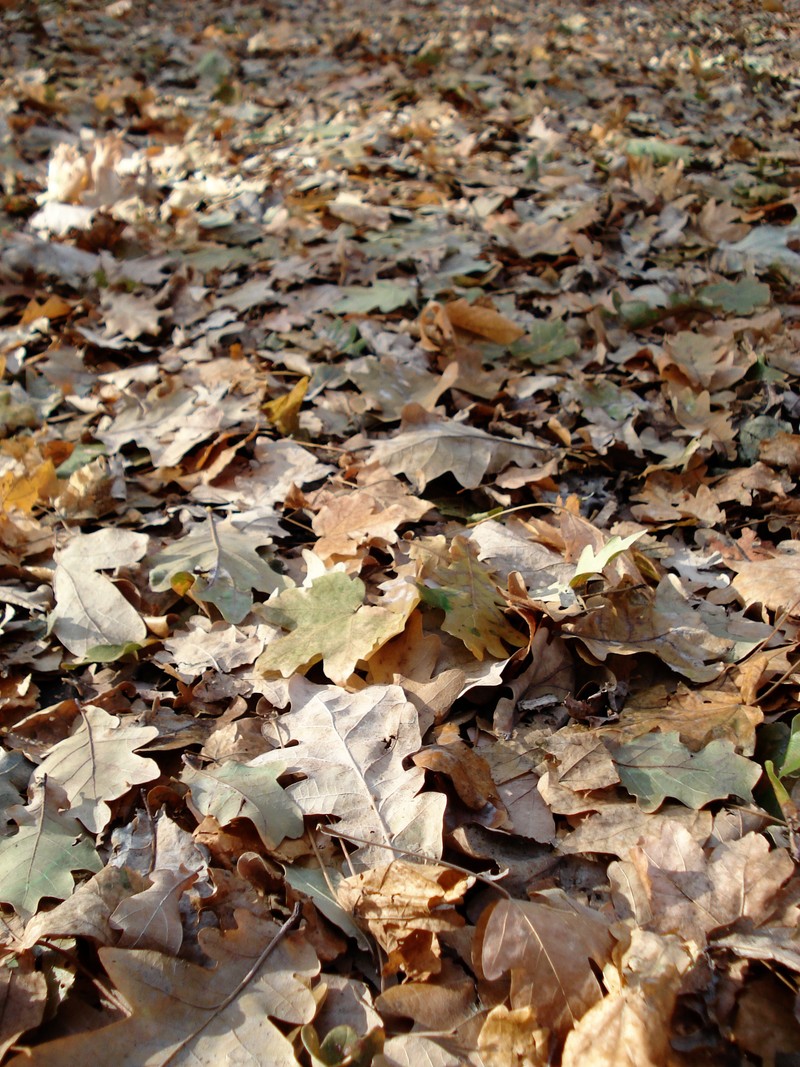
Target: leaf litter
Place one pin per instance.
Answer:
(398, 444)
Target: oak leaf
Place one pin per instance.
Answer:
(151, 919)
(329, 621)
(546, 946)
(659, 766)
(425, 452)
(239, 791)
(186, 1014)
(352, 747)
(39, 859)
(453, 579)
(98, 763)
(220, 564)
(90, 611)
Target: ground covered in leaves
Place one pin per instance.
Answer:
(399, 533)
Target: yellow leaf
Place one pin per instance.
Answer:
(24, 492)
(283, 412)
(53, 308)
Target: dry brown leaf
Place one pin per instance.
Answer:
(442, 1003)
(468, 772)
(692, 892)
(546, 946)
(773, 583)
(484, 321)
(511, 1038)
(23, 998)
(151, 919)
(404, 905)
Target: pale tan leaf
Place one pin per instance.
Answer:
(97, 763)
(193, 1016)
(511, 1038)
(351, 748)
(152, 919)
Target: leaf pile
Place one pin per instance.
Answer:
(398, 528)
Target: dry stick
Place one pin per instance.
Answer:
(284, 930)
(488, 879)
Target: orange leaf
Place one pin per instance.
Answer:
(485, 322)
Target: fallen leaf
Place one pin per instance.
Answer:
(451, 577)
(39, 859)
(659, 766)
(546, 946)
(188, 1013)
(98, 763)
(351, 747)
(330, 622)
(151, 919)
(241, 791)
(221, 564)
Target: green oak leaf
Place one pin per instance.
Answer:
(224, 565)
(329, 621)
(39, 859)
(659, 766)
(238, 791)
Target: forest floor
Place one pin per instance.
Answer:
(400, 588)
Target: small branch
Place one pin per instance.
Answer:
(488, 879)
(290, 923)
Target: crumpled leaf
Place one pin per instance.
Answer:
(98, 763)
(192, 1015)
(351, 747)
(404, 905)
(39, 859)
(240, 791)
(329, 621)
(223, 565)
(659, 766)
(691, 891)
(452, 578)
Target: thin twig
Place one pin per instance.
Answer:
(488, 879)
(284, 930)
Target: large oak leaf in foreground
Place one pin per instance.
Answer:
(184, 1014)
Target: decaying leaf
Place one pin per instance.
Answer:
(404, 906)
